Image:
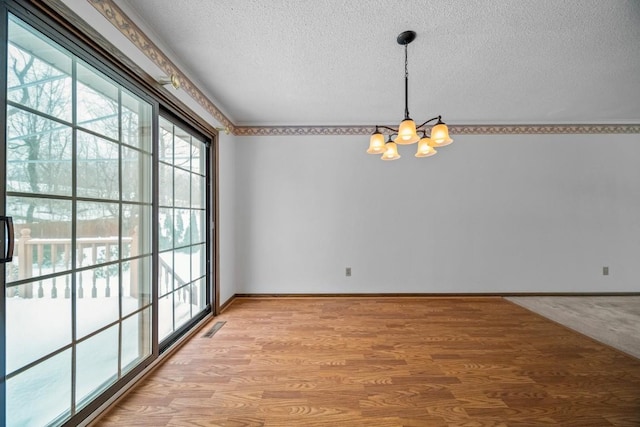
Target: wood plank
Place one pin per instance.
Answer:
(386, 362)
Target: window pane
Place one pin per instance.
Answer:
(38, 154)
(97, 103)
(165, 316)
(96, 298)
(182, 149)
(198, 197)
(165, 232)
(198, 226)
(136, 339)
(136, 239)
(182, 192)
(97, 166)
(46, 386)
(136, 176)
(195, 226)
(166, 141)
(182, 228)
(198, 255)
(96, 364)
(165, 185)
(136, 284)
(182, 305)
(181, 267)
(41, 82)
(197, 156)
(43, 237)
(166, 273)
(37, 326)
(198, 296)
(136, 122)
(98, 227)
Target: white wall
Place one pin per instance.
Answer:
(507, 213)
(531, 213)
(226, 227)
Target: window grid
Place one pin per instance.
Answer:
(184, 240)
(113, 263)
(136, 143)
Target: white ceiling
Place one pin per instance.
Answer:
(326, 62)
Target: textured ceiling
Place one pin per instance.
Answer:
(325, 62)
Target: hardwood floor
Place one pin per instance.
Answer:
(386, 362)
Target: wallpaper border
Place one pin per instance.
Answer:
(453, 130)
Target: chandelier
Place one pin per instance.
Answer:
(407, 132)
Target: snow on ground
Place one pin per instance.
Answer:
(37, 327)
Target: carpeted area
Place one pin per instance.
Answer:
(612, 320)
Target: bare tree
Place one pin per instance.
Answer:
(38, 148)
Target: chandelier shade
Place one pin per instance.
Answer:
(390, 151)
(407, 132)
(440, 135)
(425, 148)
(376, 143)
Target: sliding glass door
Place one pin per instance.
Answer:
(182, 263)
(105, 213)
(78, 180)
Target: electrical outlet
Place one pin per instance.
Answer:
(605, 271)
(347, 272)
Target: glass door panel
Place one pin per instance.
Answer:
(78, 159)
(96, 364)
(39, 149)
(79, 188)
(49, 384)
(31, 314)
(182, 229)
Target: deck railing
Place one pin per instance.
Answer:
(37, 257)
(43, 257)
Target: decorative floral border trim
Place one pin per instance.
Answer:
(127, 27)
(303, 130)
(543, 129)
(453, 130)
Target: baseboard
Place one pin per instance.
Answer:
(227, 304)
(426, 295)
(573, 294)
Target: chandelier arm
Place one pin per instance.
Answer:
(439, 118)
(388, 128)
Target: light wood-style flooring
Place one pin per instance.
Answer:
(386, 362)
(613, 320)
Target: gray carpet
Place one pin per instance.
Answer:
(612, 320)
